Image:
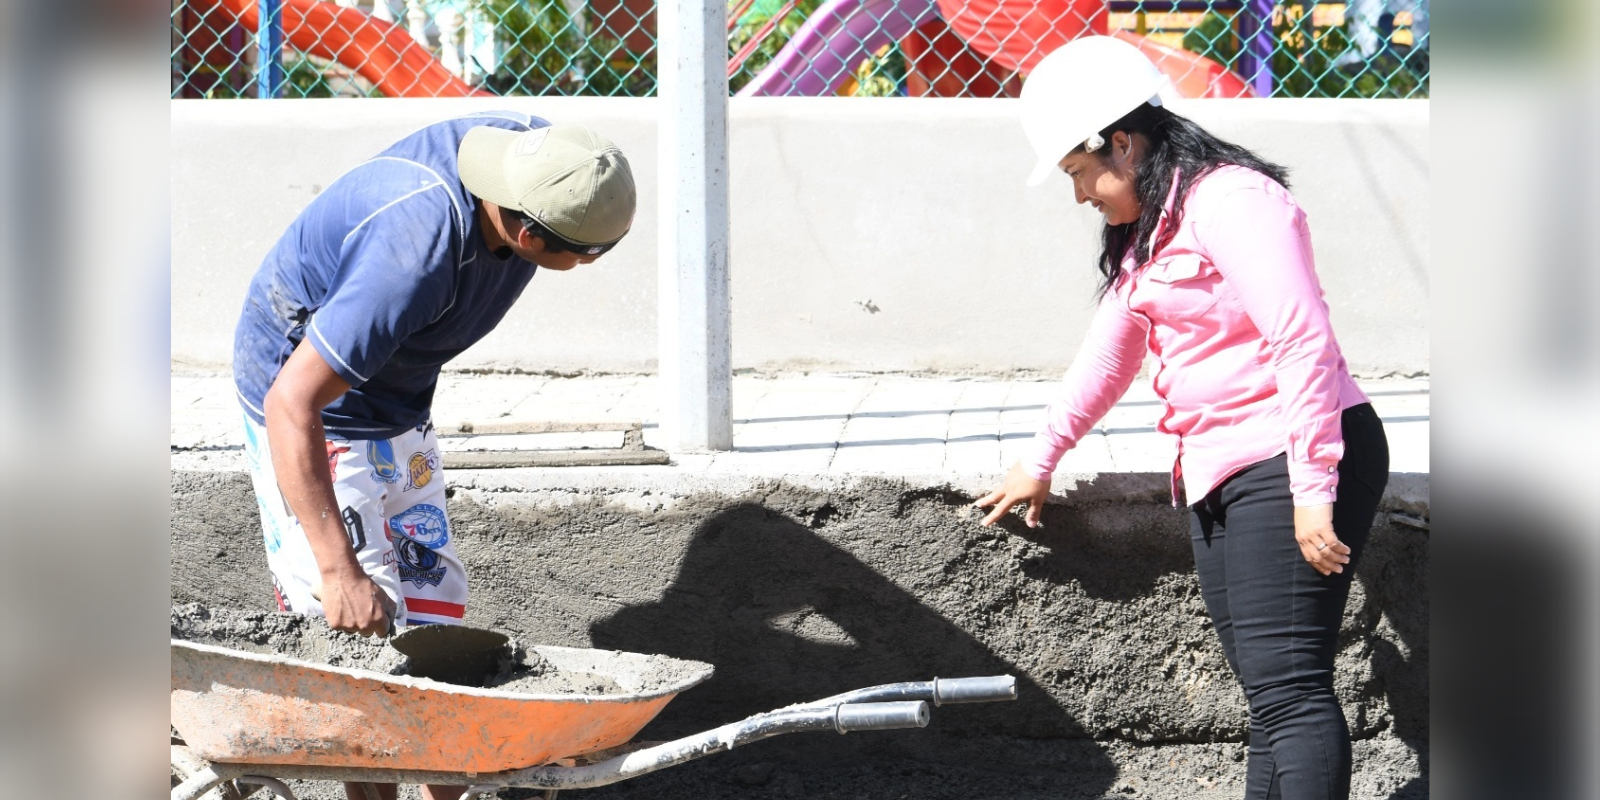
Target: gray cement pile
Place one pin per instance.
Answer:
(292, 635)
(310, 639)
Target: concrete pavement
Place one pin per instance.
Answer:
(791, 424)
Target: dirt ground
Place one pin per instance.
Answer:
(796, 593)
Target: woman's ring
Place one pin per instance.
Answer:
(1322, 547)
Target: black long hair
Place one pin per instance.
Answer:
(1176, 144)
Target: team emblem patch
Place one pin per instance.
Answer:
(278, 596)
(354, 529)
(421, 523)
(420, 469)
(418, 565)
(380, 453)
(335, 449)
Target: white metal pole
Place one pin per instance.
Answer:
(695, 340)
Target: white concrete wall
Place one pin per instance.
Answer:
(867, 234)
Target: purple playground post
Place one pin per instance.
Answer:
(1255, 57)
(837, 37)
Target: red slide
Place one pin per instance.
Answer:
(382, 52)
(1192, 75)
(1016, 34)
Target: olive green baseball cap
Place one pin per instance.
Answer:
(572, 180)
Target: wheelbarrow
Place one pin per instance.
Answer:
(249, 719)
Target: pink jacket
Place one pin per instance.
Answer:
(1247, 366)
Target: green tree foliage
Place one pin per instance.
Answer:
(1213, 38)
(881, 74)
(752, 22)
(1306, 60)
(304, 78)
(610, 69)
(309, 76)
(546, 52)
(539, 38)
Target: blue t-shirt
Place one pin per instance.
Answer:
(387, 274)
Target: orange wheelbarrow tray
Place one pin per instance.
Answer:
(258, 719)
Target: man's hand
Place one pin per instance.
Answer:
(1313, 528)
(352, 602)
(1018, 487)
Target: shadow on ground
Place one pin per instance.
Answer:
(789, 616)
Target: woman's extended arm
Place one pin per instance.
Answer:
(1099, 376)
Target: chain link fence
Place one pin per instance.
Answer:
(859, 48)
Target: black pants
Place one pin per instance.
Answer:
(1278, 618)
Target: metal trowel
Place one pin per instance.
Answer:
(456, 654)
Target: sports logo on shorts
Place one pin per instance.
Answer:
(381, 455)
(420, 469)
(421, 523)
(354, 529)
(418, 565)
(335, 449)
(278, 595)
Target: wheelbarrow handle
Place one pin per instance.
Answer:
(881, 716)
(974, 690)
(939, 691)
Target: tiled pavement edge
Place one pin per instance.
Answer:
(816, 426)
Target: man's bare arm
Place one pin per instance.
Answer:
(293, 407)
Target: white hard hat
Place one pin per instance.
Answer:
(1077, 91)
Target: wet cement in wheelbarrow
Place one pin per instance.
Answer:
(310, 639)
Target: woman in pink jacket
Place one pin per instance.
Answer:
(1208, 269)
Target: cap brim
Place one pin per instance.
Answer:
(481, 161)
(1042, 171)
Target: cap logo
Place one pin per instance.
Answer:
(530, 142)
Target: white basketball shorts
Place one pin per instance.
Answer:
(391, 497)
